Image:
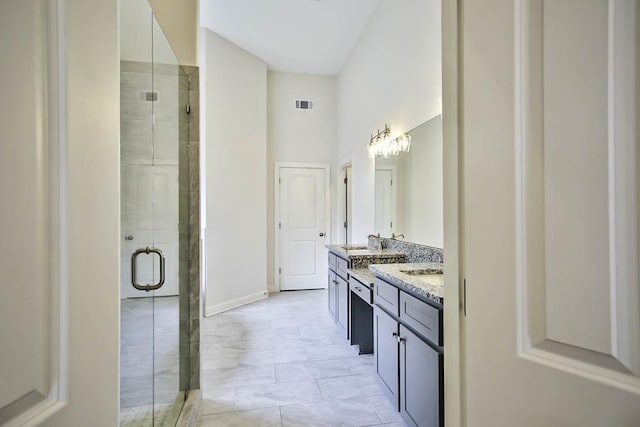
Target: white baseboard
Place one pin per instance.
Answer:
(228, 305)
(271, 288)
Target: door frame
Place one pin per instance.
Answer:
(453, 191)
(276, 217)
(340, 203)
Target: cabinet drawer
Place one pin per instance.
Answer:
(386, 296)
(362, 290)
(342, 267)
(424, 318)
(332, 261)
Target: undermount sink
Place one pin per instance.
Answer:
(422, 272)
(354, 248)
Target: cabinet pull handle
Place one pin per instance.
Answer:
(398, 337)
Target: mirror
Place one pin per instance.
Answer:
(408, 189)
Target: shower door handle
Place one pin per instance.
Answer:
(142, 287)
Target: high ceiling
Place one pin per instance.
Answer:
(303, 36)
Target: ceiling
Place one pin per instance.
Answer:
(302, 36)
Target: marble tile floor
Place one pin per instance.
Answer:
(149, 366)
(283, 362)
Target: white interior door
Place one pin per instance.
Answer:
(59, 213)
(150, 218)
(30, 257)
(385, 202)
(551, 192)
(302, 228)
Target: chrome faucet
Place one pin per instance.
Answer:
(395, 236)
(377, 236)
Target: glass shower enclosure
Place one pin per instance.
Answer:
(154, 356)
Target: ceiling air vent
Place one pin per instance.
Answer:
(302, 104)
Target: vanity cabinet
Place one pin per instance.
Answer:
(422, 317)
(331, 288)
(362, 290)
(342, 314)
(387, 296)
(408, 354)
(360, 316)
(342, 265)
(421, 381)
(386, 353)
(333, 261)
(340, 262)
(338, 292)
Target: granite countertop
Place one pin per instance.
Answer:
(358, 252)
(430, 286)
(363, 275)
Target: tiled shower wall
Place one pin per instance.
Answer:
(189, 177)
(176, 119)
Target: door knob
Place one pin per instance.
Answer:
(128, 238)
(321, 234)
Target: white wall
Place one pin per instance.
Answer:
(234, 91)
(142, 39)
(174, 31)
(393, 75)
(179, 21)
(297, 135)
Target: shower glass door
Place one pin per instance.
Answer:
(151, 391)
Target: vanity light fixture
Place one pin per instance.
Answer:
(381, 144)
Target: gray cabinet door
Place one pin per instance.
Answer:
(331, 287)
(421, 382)
(386, 353)
(343, 305)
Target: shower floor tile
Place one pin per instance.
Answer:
(149, 364)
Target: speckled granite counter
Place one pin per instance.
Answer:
(429, 286)
(361, 257)
(363, 275)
